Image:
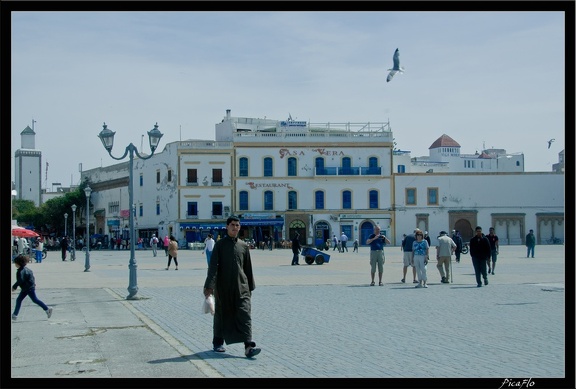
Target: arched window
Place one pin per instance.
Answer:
(243, 167)
(346, 199)
(346, 165)
(243, 200)
(373, 165)
(268, 167)
(319, 199)
(292, 200)
(319, 163)
(373, 199)
(268, 200)
(292, 167)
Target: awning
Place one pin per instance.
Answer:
(262, 222)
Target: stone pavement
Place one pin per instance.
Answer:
(311, 321)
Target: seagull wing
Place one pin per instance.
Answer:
(396, 59)
(390, 75)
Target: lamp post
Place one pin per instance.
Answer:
(107, 138)
(66, 224)
(73, 231)
(87, 191)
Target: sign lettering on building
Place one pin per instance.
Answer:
(328, 152)
(254, 185)
(287, 152)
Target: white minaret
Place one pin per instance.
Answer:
(28, 168)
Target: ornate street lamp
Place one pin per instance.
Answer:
(66, 224)
(107, 138)
(73, 231)
(87, 191)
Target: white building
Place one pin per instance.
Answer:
(512, 203)
(184, 188)
(317, 179)
(445, 156)
(28, 168)
(282, 177)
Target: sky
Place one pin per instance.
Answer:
(486, 79)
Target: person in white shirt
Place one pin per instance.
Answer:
(444, 250)
(22, 245)
(344, 239)
(209, 242)
(154, 244)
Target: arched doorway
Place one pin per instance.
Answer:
(366, 229)
(297, 227)
(465, 229)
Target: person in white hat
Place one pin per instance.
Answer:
(154, 244)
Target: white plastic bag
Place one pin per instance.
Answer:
(208, 305)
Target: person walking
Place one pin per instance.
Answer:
(335, 243)
(458, 240)
(427, 238)
(154, 244)
(406, 247)
(494, 248)
(530, 243)
(230, 279)
(480, 253)
(166, 243)
(296, 249)
(40, 248)
(27, 283)
(172, 252)
(64, 247)
(355, 246)
(444, 251)
(22, 245)
(344, 240)
(377, 241)
(208, 247)
(420, 255)
(271, 242)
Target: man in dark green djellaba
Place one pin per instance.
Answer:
(231, 281)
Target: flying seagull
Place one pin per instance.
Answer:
(550, 142)
(396, 68)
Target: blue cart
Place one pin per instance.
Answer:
(312, 255)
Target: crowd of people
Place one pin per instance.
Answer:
(483, 250)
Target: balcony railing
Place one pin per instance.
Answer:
(349, 171)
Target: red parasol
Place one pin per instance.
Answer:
(23, 232)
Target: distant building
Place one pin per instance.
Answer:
(28, 168)
(445, 156)
(559, 167)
